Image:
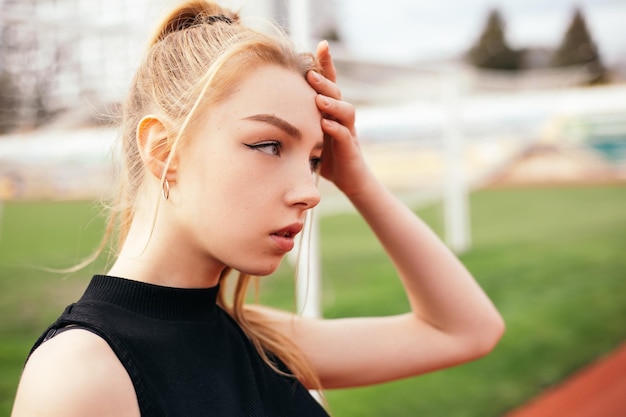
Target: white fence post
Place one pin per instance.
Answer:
(455, 198)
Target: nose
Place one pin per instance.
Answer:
(303, 191)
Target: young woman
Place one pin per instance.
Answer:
(224, 132)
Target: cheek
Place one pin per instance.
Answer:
(240, 193)
(230, 187)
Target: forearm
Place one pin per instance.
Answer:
(452, 320)
(440, 289)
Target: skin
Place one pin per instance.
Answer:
(451, 320)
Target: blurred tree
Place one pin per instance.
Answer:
(331, 34)
(492, 50)
(33, 56)
(324, 20)
(578, 48)
(18, 52)
(8, 103)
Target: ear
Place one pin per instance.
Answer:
(155, 147)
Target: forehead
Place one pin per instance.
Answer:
(272, 90)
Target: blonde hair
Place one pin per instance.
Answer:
(196, 57)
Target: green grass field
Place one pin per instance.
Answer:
(552, 259)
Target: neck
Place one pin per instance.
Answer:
(159, 255)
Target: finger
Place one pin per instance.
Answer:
(341, 111)
(334, 130)
(337, 138)
(323, 85)
(326, 61)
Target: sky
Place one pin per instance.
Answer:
(393, 30)
(402, 30)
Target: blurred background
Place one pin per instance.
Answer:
(501, 122)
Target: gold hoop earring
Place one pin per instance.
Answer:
(165, 192)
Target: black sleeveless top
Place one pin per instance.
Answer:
(184, 354)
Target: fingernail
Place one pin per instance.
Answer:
(316, 77)
(325, 101)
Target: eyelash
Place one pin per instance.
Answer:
(315, 163)
(276, 151)
(276, 146)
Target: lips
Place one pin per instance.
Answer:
(284, 238)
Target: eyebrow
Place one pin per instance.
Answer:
(283, 125)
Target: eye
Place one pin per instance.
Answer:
(315, 163)
(270, 147)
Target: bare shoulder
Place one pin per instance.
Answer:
(75, 373)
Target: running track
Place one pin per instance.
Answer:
(599, 390)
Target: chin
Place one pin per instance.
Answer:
(260, 270)
(263, 272)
